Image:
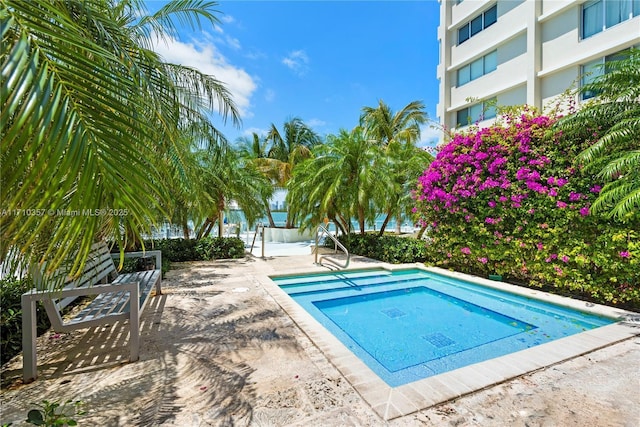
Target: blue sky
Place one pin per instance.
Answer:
(321, 61)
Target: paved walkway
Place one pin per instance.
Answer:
(217, 350)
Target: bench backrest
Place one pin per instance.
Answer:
(99, 266)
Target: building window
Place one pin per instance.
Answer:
(478, 24)
(478, 68)
(598, 15)
(594, 69)
(476, 113)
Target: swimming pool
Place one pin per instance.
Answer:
(412, 324)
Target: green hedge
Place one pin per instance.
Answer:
(386, 248)
(181, 250)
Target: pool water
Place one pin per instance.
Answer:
(411, 324)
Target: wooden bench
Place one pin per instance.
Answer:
(114, 294)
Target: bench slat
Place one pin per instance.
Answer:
(102, 306)
(118, 302)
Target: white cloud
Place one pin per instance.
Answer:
(429, 135)
(297, 61)
(315, 123)
(251, 131)
(269, 95)
(227, 19)
(233, 42)
(206, 58)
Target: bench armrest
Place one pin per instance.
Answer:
(141, 254)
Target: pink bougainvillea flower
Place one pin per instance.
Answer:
(483, 260)
(540, 246)
(564, 259)
(558, 270)
(560, 204)
(595, 189)
(574, 197)
(584, 211)
(465, 250)
(544, 226)
(624, 254)
(561, 182)
(531, 211)
(492, 204)
(490, 220)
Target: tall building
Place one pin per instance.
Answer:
(516, 52)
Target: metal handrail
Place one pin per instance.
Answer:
(319, 232)
(260, 227)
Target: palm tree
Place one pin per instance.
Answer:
(254, 151)
(396, 135)
(230, 178)
(337, 182)
(90, 118)
(405, 163)
(287, 149)
(616, 153)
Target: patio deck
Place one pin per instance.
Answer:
(217, 349)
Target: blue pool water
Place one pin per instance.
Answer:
(412, 324)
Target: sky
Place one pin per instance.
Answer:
(320, 61)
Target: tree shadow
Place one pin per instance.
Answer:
(191, 360)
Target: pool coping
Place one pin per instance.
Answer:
(393, 402)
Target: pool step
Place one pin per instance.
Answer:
(324, 277)
(350, 283)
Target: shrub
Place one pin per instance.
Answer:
(180, 250)
(508, 200)
(176, 250)
(211, 248)
(11, 290)
(386, 248)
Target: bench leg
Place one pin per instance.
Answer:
(29, 333)
(134, 325)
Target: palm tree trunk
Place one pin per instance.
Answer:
(399, 224)
(220, 216)
(272, 224)
(384, 224)
(345, 225)
(361, 219)
(185, 230)
(200, 231)
(207, 230)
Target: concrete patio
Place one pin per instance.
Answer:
(218, 350)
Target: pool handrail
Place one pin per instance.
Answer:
(320, 231)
